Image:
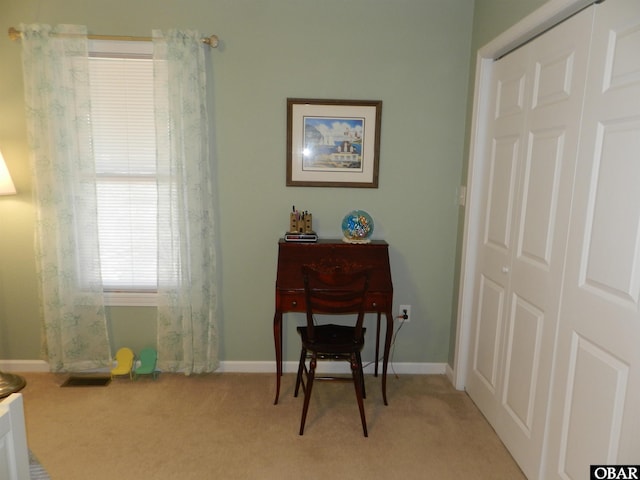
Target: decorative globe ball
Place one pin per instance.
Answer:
(357, 226)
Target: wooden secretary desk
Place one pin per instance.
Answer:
(290, 289)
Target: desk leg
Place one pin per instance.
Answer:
(375, 373)
(277, 340)
(387, 350)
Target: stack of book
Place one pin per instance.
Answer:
(300, 237)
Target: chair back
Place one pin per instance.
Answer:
(125, 358)
(148, 358)
(338, 289)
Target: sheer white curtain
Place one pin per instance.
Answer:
(57, 98)
(187, 332)
(56, 80)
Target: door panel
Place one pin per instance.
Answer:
(510, 96)
(589, 365)
(615, 190)
(552, 79)
(502, 189)
(540, 197)
(595, 413)
(533, 132)
(487, 347)
(505, 121)
(523, 360)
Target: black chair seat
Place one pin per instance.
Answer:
(332, 339)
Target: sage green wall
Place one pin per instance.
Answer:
(490, 19)
(414, 55)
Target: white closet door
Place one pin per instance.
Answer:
(533, 132)
(505, 122)
(595, 414)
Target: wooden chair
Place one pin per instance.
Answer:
(333, 290)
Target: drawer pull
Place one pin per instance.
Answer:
(294, 303)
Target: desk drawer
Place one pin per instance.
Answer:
(294, 302)
(290, 302)
(377, 302)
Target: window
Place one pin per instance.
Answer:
(124, 147)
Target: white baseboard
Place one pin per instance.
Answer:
(24, 366)
(451, 375)
(332, 367)
(266, 367)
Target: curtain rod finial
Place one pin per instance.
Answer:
(212, 41)
(14, 34)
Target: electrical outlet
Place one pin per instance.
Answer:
(404, 310)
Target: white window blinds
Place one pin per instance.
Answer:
(122, 106)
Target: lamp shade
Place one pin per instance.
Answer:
(6, 184)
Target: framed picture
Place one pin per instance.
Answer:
(333, 143)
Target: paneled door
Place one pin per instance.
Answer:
(595, 412)
(531, 140)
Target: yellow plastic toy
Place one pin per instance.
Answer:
(124, 359)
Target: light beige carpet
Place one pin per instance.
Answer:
(225, 426)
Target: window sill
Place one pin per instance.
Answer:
(131, 299)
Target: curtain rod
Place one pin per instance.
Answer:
(211, 40)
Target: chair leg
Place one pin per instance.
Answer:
(356, 371)
(307, 392)
(303, 356)
(359, 358)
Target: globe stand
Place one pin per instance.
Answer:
(10, 383)
(353, 240)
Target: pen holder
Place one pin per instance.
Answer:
(301, 223)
